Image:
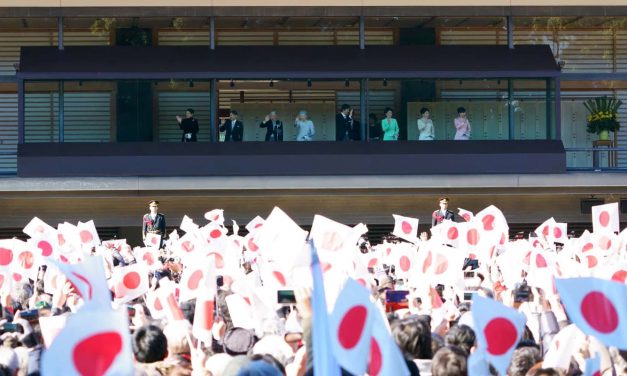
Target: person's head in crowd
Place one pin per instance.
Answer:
(21, 292)
(275, 346)
(150, 345)
(437, 342)
(235, 365)
(269, 359)
(545, 372)
(523, 360)
(461, 112)
(188, 308)
(9, 360)
(177, 332)
(413, 337)
(527, 335)
(216, 364)
(258, 368)
(424, 113)
(273, 115)
(238, 341)
(449, 361)
(388, 112)
(461, 336)
(302, 115)
(345, 109)
(233, 115)
(189, 113)
(372, 119)
(153, 206)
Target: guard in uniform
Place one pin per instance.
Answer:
(154, 222)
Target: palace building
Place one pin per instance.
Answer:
(90, 91)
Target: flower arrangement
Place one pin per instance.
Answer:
(603, 114)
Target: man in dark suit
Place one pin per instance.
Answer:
(443, 213)
(345, 127)
(154, 222)
(274, 127)
(234, 128)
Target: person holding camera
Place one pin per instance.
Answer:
(189, 126)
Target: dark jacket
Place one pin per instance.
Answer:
(270, 133)
(436, 217)
(156, 227)
(233, 133)
(344, 126)
(189, 125)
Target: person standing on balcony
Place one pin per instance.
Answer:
(462, 125)
(443, 213)
(345, 126)
(304, 126)
(189, 126)
(154, 222)
(375, 133)
(233, 128)
(389, 126)
(274, 127)
(425, 126)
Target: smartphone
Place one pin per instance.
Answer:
(9, 327)
(468, 295)
(285, 297)
(469, 274)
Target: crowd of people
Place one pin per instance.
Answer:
(207, 300)
(347, 128)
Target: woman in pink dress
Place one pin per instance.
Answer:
(462, 125)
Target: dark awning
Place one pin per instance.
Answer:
(280, 62)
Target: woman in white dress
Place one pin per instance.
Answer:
(425, 126)
(305, 127)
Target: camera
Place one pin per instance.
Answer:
(523, 293)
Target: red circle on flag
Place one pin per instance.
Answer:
(194, 279)
(158, 305)
(149, 258)
(1, 280)
(17, 277)
(466, 217)
(597, 373)
(279, 277)
(587, 247)
(488, 222)
(604, 218)
(452, 233)
(605, 243)
(472, 236)
(61, 239)
(557, 232)
(592, 261)
(131, 280)
(373, 262)
(187, 245)
(86, 236)
(376, 358)
(599, 312)
(352, 326)
(362, 282)
(503, 239)
(404, 263)
(215, 233)
(406, 227)
(325, 266)
(252, 246)
(218, 259)
(95, 354)
(620, 276)
(540, 261)
(6, 256)
(545, 231)
(501, 335)
(427, 263)
(441, 263)
(26, 259)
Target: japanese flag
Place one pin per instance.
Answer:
(598, 307)
(544, 230)
(275, 277)
(404, 260)
(148, 256)
(50, 327)
(5, 281)
(203, 315)
(255, 224)
(498, 329)
(6, 252)
(442, 264)
(167, 302)
(152, 240)
(130, 282)
(385, 358)
(351, 328)
(593, 366)
(559, 233)
(188, 245)
(216, 216)
(492, 220)
(241, 311)
(37, 227)
(88, 277)
(406, 228)
(188, 225)
(563, 346)
(88, 234)
(91, 343)
(605, 217)
(53, 280)
(467, 215)
(196, 276)
(47, 244)
(330, 236)
(25, 259)
(450, 232)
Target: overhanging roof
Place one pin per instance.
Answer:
(281, 62)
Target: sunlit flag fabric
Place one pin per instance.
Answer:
(88, 234)
(148, 256)
(203, 315)
(216, 216)
(152, 240)
(351, 325)
(196, 276)
(565, 343)
(37, 227)
(188, 225)
(405, 228)
(167, 301)
(467, 215)
(255, 224)
(130, 282)
(598, 307)
(324, 363)
(47, 244)
(605, 217)
(50, 327)
(498, 329)
(89, 279)
(329, 235)
(385, 357)
(593, 366)
(91, 343)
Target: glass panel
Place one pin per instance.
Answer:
(532, 110)
(41, 111)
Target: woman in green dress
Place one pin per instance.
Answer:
(389, 126)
